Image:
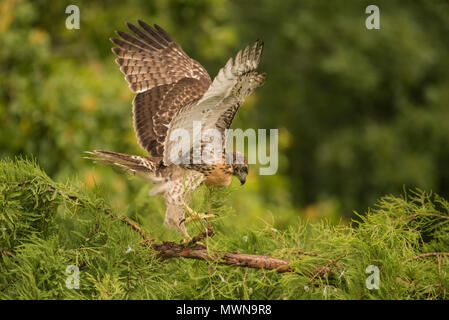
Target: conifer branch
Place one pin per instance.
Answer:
(428, 254)
(198, 251)
(195, 250)
(6, 252)
(35, 206)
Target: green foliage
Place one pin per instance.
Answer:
(61, 92)
(361, 112)
(47, 226)
(364, 112)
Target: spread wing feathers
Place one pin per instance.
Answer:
(137, 164)
(218, 106)
(149, 118)
(151, 58)
(154, 109)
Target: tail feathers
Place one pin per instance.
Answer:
(129, 162)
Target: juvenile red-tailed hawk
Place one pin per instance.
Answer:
(175, 92)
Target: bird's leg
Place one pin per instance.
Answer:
(182, 229)
(195, 215)
(186, 240)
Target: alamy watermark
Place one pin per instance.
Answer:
(206, 146)
(198, 146)
(73, 20)
(73, 280)
(373, 20)
(373, 280)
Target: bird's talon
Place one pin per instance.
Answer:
(186, 240)
(199, 216)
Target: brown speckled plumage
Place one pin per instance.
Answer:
(173, 91)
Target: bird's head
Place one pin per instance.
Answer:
(240, 171)
(239, 166)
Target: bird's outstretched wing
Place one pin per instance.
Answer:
(217, 107)
(164, 77)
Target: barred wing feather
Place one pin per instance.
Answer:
(217, 107)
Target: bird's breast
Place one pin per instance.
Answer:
(219, 176)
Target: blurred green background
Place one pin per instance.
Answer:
(361, 113)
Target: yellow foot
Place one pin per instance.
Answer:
(186, 240)
(196, 216)
(199, 216)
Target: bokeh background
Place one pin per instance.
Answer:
(361, 113)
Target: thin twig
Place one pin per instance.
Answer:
(428, 254)
(325, 269)
(424, 215)
(7, 252)
(306, 253)
(438, 255)
(132, 224)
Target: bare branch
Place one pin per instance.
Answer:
(194, 250)
(198, 251)
(429, 254)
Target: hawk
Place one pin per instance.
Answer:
(175, 92)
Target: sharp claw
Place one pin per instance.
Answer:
(200, 216)
(186, 240)
(182, 221)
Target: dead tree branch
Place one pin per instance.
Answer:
(195, 250)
